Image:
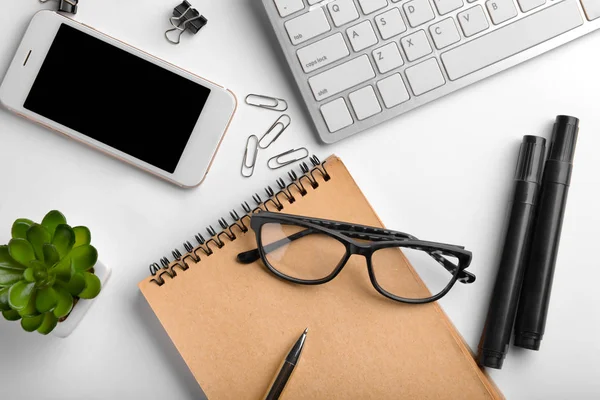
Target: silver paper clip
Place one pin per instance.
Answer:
(185, 17)
(273, 133)
(283, 160)
(248, 168)
(267, 102)
(67, 6)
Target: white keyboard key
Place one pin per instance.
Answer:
(473, 21)
(444, 33)
(416, 45)
(342, 12)
(501, 10)
(592, 9)
(313, 2)
(512, 39)
(342, 77)
(362, 36)
(425, 77)
(418, 12)
(288, 7)
(307, 26)
(323, 53)
(336, 115)
(365, 103)
(370, 6)
(528, 5)
(446, 6)
(387, 57)
(393, 91)
(390, 23)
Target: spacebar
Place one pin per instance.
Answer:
(512, 39)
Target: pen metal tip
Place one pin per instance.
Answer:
(306, 331)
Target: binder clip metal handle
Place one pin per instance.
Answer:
(66, 6)
(185, 17)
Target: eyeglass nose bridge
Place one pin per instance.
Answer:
(360, 249)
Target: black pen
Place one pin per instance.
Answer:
(509, 279)
(288, 366)
(537, 285)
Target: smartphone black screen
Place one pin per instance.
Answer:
(117, 98)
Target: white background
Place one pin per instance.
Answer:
(443, 173)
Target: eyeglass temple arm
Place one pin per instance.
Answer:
(359, 231)
(248, 257)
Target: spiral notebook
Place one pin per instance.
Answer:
(233, 324)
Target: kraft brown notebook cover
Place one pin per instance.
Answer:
(234, 324)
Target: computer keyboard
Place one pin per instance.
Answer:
(359, 63)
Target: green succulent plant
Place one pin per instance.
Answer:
(44, 269)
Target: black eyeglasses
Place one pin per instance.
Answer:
(312, 251)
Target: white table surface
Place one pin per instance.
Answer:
(442, 172)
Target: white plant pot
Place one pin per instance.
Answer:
(65, 328)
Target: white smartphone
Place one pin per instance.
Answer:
(117, 99)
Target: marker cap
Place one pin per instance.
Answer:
(530, 166)
(564, 138)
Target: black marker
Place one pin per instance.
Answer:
(537, 285)
(503, 304)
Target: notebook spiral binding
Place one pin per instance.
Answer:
(275, 200)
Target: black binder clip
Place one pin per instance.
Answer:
(185, 17)
(66, 6)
